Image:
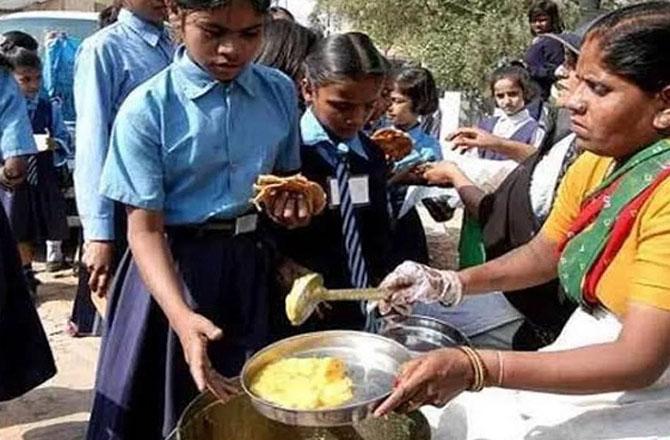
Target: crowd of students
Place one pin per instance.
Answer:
(174, 126)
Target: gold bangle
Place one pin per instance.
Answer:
(479, 385)
(478, 367)
(501, 369)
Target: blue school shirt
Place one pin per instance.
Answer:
(314, 135)
(424, 141)
(109, 65)
(192, 147)
(54, 124)
(16, 135)
(320, 246)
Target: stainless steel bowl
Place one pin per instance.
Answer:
(420, 334)
(372, 364)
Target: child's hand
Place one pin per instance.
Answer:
(441, 173)
(13, 172)
(290, 210)
(411, 176)
(52, 145)
(473, 137)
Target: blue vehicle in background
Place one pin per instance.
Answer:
(40, 23)
(59, 33)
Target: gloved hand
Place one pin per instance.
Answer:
(413, 282)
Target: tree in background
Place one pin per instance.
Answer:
(459, 40)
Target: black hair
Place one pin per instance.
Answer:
(342, 57)
(20, 39)
(4, 63)
(280, 13)
(633, 42)
(418, 84)
(285, 46)
(261, 6)
(109, 15)
(517, 74)
(550, 9)
(17, 56)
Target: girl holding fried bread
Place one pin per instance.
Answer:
(193, 301)
(349, 244)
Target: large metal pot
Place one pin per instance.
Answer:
(206, 418)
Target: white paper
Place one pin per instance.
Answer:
(359, 191)
(41, 142)
(359, 188)
(417, 193)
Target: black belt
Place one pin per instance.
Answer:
(225, 227)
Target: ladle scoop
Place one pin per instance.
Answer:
(308, 292)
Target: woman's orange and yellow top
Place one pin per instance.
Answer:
(641, 270)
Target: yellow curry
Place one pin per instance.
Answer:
(305, 383)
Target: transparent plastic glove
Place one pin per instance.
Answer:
(413, 282)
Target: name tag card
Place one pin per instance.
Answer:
(359, 190)
(41, 142)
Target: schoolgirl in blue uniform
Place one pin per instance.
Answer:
(109, 65)
(25, 357)
(349, 244)
(414, 95)
(36, 208)
(186, 148)
(511, 90)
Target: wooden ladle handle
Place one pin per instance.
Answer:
(373, 294)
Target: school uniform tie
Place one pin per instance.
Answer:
(358, 271)
(31, 176)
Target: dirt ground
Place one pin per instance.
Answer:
(59, 409)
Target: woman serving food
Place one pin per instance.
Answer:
(607, 237)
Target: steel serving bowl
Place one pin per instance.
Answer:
(372, 363)
(420, 334)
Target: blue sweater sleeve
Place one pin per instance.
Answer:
(543, 58)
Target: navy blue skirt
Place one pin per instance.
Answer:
(408, 237)
(25, 357)
(38, 212)
(143, 382)
(85, 319)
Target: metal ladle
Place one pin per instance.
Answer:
(308, 292)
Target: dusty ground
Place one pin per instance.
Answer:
(59, 409)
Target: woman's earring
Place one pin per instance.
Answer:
(662, 121)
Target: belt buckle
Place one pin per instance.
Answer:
(246, 223)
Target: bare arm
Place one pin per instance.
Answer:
(529, 265)
(146, 238)
(447, 173)
(517, 151)
(635, 360)
(477, 138)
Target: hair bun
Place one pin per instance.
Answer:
(6, 45)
